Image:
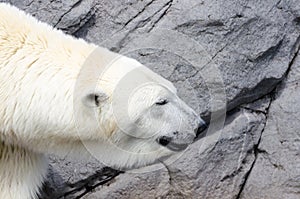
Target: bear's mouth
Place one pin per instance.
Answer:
(166, 141)
(176, 147)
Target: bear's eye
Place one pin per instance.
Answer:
(162, 102)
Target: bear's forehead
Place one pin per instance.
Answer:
(130, 74)
(151, 94)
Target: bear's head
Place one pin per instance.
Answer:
(141, 117)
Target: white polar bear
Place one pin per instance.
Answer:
(59, 95)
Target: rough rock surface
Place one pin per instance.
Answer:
(235, 56)
(213, 171)
(276, 172)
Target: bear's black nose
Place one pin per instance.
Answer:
(164, 140)
(202, 126)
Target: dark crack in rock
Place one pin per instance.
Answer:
(276, 173)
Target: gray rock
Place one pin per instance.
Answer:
(276, 172)
(248, 44)
(222, 55)
(211, 168)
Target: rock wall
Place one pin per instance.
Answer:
(234, 61)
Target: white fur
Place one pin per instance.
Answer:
(46, 77)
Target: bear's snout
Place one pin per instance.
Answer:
(164, 140)
(176, 141)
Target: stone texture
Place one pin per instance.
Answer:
(276, 173)
(239, 38)
(223, 56)
(211, 168)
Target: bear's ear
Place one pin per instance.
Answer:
(94, 98)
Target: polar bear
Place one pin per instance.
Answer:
(63, 95)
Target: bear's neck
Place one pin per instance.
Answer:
(21, 172)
